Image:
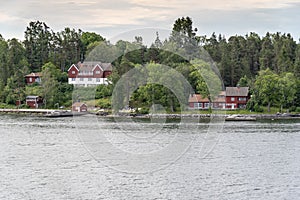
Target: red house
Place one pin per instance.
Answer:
(34, 101)
(232, 98)
(89, 73)
(237, 97)
(196, 101)
(79, 107)
(33, 78)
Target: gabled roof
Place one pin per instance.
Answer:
(38, 74)
(237, 91)
(73, 66)
(78, 104)
(91, 66)
(195, 98)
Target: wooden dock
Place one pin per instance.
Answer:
(27, 111)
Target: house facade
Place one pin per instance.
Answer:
(89, 73)
(197, 101)
(231, 98)
(237, 97)
(33, 78)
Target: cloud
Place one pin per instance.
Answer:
(117, 15)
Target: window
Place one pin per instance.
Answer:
(232, 99)
(197, 105)
(30, 79)
(97, 79)
(206, 105)
(73, 72)
(89, 79)
(242, 99)
(81, 79)
(73, 79)
(97, 72)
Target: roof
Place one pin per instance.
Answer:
(32, 97)
(237, 91)
(195, 98)
(222, 93)
(91, 65)
(38, 74)
(78, 104)
(219, 100)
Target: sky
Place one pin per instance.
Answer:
(110, 18)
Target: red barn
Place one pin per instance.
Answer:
(237, 97)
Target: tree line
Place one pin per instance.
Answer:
(269, 65)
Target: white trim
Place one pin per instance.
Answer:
(98, 66)
(74, 66)
(86, 82)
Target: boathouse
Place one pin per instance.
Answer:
(79, 107)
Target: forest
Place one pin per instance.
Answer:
(269, 65)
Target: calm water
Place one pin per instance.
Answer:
(95, 158)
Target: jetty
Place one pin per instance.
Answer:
(27, 111)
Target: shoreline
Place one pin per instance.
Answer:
(43, 112)
(207, 116)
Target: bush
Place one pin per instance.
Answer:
(292, 109)
(104, 103)
(257, 108)
(298, 110)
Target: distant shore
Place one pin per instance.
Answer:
(178, 116)
(40, 112)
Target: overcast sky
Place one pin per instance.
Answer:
(112, 17)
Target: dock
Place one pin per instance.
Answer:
(27, 111)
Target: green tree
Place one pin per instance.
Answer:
(286, 55)
(49, 84)
(88, 38)
(69, 48)
(288, 89)
(266, 58)
(204, 80)
(253, 47)
(267, 88)
(297, 62)
(37, 44)
(4, 70)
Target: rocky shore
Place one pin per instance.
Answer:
(178, 116)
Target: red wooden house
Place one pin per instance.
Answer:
(232, 98)
(89, 73)
(33, 78)
(34, 101)
(237, 97)
(196, 101)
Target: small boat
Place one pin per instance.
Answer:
(240, 118)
